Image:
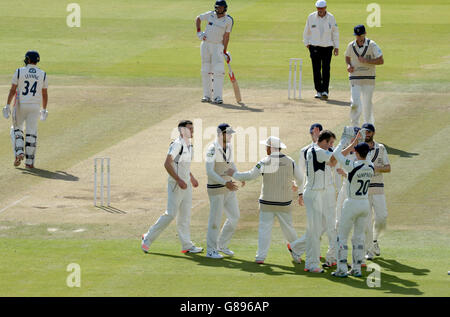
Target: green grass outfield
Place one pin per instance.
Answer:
(134, 44)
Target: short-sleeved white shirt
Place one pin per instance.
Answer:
(316, 159)
(216, 27)
(30, 81)
(181, 162)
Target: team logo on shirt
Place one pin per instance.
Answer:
(347, 162)
(32, 70)
(258, 166)
(313, 26)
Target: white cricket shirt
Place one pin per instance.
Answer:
(30, 80)
(216, 27)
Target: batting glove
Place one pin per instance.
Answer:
(227, 56)
(6, 111)
(44, 114)
(201, 36)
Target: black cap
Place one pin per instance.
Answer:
(368, 126)
(359, 30)
(315, 125)
(225, 128)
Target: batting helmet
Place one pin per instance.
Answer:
(32, 57)
(221, 3)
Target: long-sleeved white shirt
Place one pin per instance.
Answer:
(321, 31)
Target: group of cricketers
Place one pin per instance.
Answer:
(341, 188)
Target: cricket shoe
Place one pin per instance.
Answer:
(369, 256)
(259, 261)
(214, 255)
(218, 101)
(376, 248)
(355, 273)
(18, 160)
(29, 166)
(328, 264)
(295, 256)
(193, 249)
(318, 95)
(206, 99)
(324, 96)
(144, 246)
(226, 251)
(339, 274)
(315, 270)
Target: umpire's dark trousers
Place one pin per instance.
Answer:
(321, 60)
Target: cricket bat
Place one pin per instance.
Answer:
(237, 92)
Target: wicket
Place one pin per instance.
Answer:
(108, 180)
(294, 64)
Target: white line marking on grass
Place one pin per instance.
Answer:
(14, 203)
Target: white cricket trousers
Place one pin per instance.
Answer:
(26, 114)
(329, 222)
(266, 219)
(227, 202)
(354, 215)
(179, 203)
(314, 203)
(339, 203)
(361, 102)
(212, 68)
(377, 218)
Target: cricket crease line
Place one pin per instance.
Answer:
(14, 203)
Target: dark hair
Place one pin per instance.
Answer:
(184, 123)
(362, 149)
(326, 135)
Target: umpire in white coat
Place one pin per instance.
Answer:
(278, 171)
(222, 194)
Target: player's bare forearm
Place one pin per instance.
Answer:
(226, 39)
(383, 169)
(169, 168)
(376, 61)
(12, 93)
(44, 98)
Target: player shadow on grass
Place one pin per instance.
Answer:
(395, 266)
(239, 264)
(48, 174)
(390, 284)
(393, 151)
(241, 106)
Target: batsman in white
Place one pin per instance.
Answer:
(378, 211)
(356, 206)
(179, 189)
(222, 194)
(278, 172)
(361, 57)
(29, 86)
(213, 49)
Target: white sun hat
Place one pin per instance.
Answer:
(274, 142)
